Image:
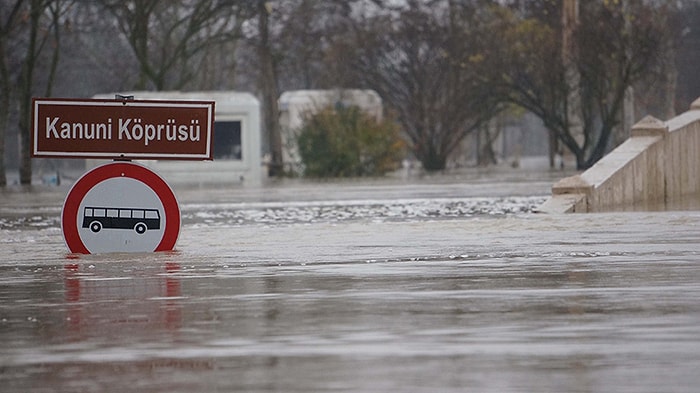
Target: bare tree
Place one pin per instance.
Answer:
(611, 53)
(42, 31)
(688, 55)
(307, 33)
(10, 19)
(425, 58)
(287, 42)
(169, 37)
(23, 35)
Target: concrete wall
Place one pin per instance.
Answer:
(658, 164)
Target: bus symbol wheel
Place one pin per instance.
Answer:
(95, 226)
(140, 228)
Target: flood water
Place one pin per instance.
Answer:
(357, 288)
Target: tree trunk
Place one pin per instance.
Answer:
(570, 21)
(487, 135)
(25, 104)
(5, 90)
(601, 147)
(4, 112)
(270, 92)
(554, 149)
(431, 159)
(139, 41)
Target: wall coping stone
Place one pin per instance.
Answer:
(649, 126)
(572, 185)
(695, 104)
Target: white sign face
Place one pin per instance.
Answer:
(120, 207)
(121, 214)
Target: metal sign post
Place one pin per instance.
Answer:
(122, 206)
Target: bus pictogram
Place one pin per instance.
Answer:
(140, 220)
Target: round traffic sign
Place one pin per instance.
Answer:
(120, 207)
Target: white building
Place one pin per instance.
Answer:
(236, 141)
(296, 104)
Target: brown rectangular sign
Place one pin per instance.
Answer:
(128, 129)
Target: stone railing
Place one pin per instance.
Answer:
(658, 164)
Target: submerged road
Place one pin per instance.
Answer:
(357, 288)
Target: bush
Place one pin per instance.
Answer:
(346, 142)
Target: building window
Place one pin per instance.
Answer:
(227, 140)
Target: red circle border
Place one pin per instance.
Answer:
(81, 187)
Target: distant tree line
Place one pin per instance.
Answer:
(444, 68)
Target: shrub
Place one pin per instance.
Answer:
(346, 142)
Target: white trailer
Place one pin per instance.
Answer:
(236, 141)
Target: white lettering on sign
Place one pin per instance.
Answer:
(65, 130)
(133, 129)
(127, 129)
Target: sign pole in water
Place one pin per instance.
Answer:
(121, 206)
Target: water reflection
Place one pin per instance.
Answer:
(114, 304)
(107, 318)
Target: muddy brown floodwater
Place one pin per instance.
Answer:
(374, 289)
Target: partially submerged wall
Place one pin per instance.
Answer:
(659, 163)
